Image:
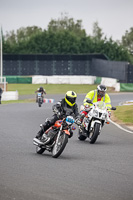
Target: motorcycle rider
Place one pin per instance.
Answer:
(96, 95)
(64, 107)
(41, 90)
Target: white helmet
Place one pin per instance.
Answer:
(101, 90)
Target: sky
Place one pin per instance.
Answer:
(113, 16)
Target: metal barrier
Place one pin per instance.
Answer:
(48, 65)
(130, 74)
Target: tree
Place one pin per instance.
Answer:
(97, 31)
(66, 36)
(26, 33)
(127, 40)
(65, 23)
(22, 34)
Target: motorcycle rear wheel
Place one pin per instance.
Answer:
(60, 145)
(95, 133)
(39, 150)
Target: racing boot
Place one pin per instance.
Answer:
(41, 132)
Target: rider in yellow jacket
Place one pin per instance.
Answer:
(99, 95)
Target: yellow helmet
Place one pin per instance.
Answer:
(70, 98)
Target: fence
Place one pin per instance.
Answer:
(90, 64)
(130, 74)
(112, 69)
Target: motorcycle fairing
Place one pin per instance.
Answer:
(58, 123)
(67, 132)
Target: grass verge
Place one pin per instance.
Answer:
(124, 114)
(19, 101)
(24, 89)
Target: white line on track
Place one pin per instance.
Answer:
(120, 127)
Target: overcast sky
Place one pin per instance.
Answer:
(114, 16)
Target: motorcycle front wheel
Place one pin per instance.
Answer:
(39, 102)
(94, 134)
(60, 145)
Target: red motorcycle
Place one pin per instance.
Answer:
(59, 134)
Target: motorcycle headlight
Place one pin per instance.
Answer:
(95, 113)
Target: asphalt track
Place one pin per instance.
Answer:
(102, 171)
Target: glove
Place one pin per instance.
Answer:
(78, 122)
(55, 110)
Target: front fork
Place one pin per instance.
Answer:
(59, 133)
(93, 124)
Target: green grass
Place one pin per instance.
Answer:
(27, 89)
(19, 101)
(124, 114)
(24, 89)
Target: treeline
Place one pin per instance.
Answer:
(65, 36)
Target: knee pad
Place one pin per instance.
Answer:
(47, 122)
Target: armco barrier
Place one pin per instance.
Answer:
(109, 82)
(11, 95)
(126, 87)
(63, 79)
(18, 79)
(39, 79)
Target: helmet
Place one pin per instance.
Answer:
(101, 90)
(41, 88)
(70, 98)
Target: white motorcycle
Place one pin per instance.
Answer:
(94, 121)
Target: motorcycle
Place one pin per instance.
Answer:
(94, 121)
(39, 99)
(59, 134)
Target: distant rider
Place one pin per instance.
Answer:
(64, 107)
(41, 90)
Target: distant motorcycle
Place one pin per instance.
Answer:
(39, 99)
(94, 121)
(59, 134)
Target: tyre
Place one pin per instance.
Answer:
(39, 150)
(81, 137)
(39, 102)
(60, 145)
(93, 136)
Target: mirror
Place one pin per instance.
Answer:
(89, 101)
(113, 108)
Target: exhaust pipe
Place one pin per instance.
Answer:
(37, 142)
